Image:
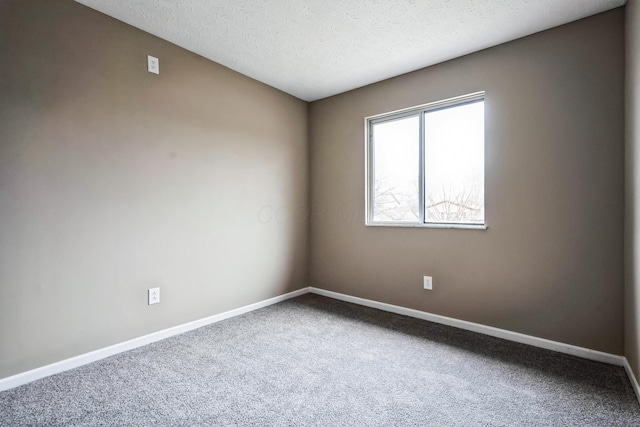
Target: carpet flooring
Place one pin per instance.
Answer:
(314, 361)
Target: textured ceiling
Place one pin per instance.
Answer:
(317, 48)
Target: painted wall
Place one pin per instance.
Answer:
(632, 185)
(114, 180)
(551, 263)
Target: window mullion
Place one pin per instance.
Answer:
(370, 172)
(421, 179)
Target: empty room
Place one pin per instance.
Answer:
(315, 213)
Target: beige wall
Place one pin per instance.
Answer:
(551, 263)
(632, 214)
(114, 180)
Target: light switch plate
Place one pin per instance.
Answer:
(153, 64)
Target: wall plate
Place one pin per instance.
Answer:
(154, 296)
(153, 64)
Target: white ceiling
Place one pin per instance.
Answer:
(317, 48)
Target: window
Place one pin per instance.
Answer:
(425, 165)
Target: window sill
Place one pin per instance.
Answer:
(418, 225)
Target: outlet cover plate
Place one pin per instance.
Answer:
(154, 296)
(153, 64)
(428, 283)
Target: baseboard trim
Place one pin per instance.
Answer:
(93, 356)
(83, 359)
(573, 350)
(632, 378)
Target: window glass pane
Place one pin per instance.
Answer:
(454, 164)
(396, 155)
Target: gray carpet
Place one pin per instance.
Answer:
(316, 361)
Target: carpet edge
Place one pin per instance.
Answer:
(632, 378)
(22, 378)
(570, 349)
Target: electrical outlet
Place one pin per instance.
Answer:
(154, 296)
(153, 64)
(428, 282)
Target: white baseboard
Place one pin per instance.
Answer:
(476, 327)
(83, 359)
(632, 378)
(573, 350)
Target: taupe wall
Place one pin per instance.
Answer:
(114, 180)
(632, 202)
(551, 263)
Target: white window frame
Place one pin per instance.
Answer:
(419, 110)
